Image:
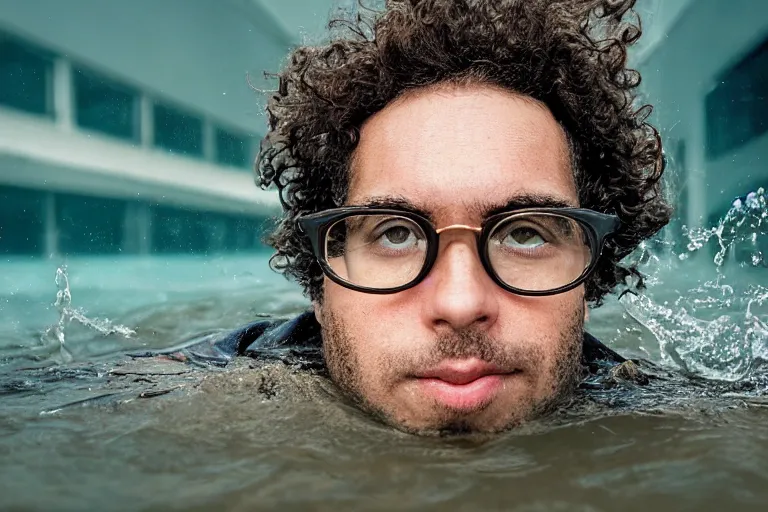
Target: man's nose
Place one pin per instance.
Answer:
(461, 294)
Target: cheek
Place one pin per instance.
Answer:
(542, 314)
(369, 327)
(546, 322)
(381, 323)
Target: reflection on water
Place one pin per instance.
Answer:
(116, 433)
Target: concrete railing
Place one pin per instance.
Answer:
(38, 153)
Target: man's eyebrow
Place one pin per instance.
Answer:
(395, 202)
(520, 201)
(481, 209)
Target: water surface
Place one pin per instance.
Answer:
(82, 426)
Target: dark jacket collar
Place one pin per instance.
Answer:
(301, 335)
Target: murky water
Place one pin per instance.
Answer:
(84, 427)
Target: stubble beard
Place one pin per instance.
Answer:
(342, 362)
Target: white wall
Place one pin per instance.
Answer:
(307, 20)
(37, 154)
(195, 51)
(709, 37)
(657, 18)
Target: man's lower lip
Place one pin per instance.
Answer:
(466, 397)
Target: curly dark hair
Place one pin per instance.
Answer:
(569, 54)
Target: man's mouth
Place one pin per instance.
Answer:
(463, 384)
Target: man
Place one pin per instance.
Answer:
(459, 181)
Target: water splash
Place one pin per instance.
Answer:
(744, 224)
(717, 325)
(56, 333)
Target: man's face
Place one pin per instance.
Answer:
(456, 352)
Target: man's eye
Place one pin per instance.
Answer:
(524, 237)
(397, 234)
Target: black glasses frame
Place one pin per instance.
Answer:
(598, 227)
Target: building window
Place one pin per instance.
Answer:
(176, 230)
(178, 132)
(106, 106)
(246, 234)
(21, 221)
(737, 108)
(89, 225)
(180, 230)
(232, 149)
(26, 77)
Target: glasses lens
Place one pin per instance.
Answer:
(376, 251)
(539, 251)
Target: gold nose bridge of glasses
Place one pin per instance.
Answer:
(456, 227)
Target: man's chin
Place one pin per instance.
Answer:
(454, 428)
(444, 422)
(426, 418)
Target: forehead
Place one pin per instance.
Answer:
(453, 151)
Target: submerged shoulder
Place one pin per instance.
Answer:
(594, 350)
(607, 367)
(268, 338)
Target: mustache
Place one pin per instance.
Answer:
(467, 344)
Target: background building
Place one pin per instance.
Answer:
(131, 127)
(705, 69)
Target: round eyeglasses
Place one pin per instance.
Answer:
(535, 251)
